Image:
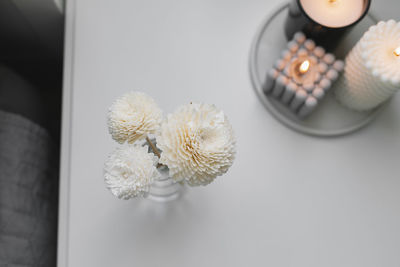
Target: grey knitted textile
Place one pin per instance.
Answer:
(28, 194)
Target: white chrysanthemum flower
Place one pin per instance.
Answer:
(130, 170)
(133, 116)
(197, 144)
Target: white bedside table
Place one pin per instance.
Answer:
(289, 199)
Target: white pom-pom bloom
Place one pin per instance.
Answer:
(129, 171)
(133, 116)
(197, 144)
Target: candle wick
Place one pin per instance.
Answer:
(304, 66)
(397, 51)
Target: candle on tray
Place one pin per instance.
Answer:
(333, 13)
(324, 21)
(300, 78)
(372, 71)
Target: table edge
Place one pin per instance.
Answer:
(66, 135)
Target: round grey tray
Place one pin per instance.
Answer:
(330, 118)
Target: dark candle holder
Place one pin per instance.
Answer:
(298, 20)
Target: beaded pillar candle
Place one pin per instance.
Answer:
(372, 71)
(324, 21)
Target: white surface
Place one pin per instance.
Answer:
(289, 199)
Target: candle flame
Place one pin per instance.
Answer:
(397, 51)
(303, 68)
(332, 1)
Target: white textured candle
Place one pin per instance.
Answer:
(372, 71)
(334, 13)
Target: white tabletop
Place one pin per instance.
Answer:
(288, 200)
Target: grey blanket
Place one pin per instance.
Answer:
(28, 194)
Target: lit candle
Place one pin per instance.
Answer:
(324, 21)
(303, 68)
(300, 78)
(333, 13)
(372, 71)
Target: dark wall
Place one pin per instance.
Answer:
(31, 34)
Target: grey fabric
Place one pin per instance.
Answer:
(28, 194)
